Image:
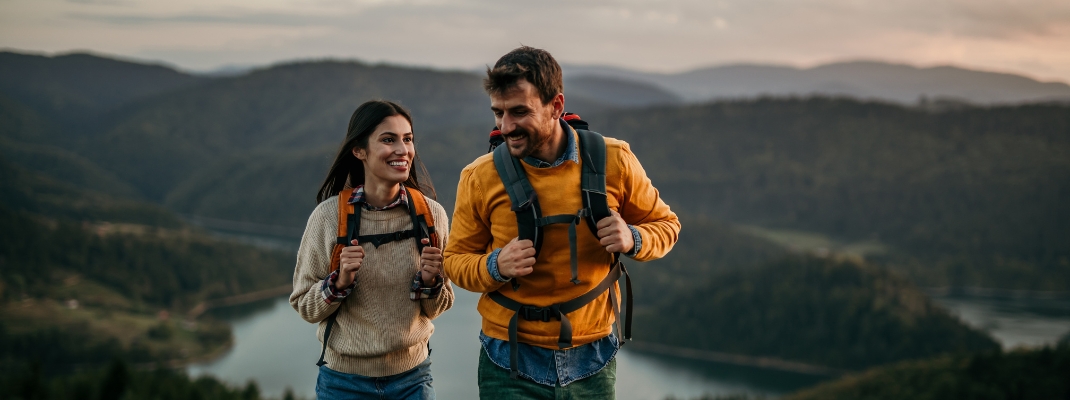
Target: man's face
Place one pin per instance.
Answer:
(526, 123)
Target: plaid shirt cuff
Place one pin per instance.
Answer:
(330, 294)
(420, 292)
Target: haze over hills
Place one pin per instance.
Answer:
(859, 79)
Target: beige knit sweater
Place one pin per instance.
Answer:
(379, 330)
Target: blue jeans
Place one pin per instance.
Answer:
(414, 384)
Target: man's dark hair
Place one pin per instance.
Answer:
(535, 65)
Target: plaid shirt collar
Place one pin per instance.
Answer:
(358, 198)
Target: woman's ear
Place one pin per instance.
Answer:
(359, 153)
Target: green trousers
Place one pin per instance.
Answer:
(495, 384)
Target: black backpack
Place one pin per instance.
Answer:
(529, 220)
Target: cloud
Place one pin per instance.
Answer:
(666, 35)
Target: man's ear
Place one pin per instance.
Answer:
(558, 103)
(359, 153)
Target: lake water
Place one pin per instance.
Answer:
(1014, 322)
(278, 350)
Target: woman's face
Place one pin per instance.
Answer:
(388, 158)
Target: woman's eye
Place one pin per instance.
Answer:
(388, 140)
(408, 140)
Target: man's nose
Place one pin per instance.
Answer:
(507, 125)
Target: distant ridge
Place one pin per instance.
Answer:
(860, 79)
(77, 87)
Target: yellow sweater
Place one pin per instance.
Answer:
(483, 221)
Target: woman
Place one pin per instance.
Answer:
(369, 266)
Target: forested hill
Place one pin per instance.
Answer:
(86, 277)
(1036, 374)
(818, 311)
(975, 196)
(961, 196)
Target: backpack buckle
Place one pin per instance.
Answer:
(530, 313)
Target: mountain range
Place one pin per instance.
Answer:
(858, 79)
(861, 79)
(969, 196)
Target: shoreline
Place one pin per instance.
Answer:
(735, 359)
(973, 291)
(204, 306)
(259, 295)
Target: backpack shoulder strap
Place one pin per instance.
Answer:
(423, 221)
(348, 229)
(348, 226)
(525, 202)
(593, 178)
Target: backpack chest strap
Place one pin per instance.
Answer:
(384, 238)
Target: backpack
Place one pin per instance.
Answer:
(423, 227)
(529, 219)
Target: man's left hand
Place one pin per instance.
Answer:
(614, 235)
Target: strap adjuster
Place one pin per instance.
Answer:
(526, 204)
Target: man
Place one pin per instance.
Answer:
(555, 354)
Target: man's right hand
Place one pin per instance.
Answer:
(349, 263)
(516, 259)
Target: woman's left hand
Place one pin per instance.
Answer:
(430, 264)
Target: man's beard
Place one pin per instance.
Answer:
(533, 142)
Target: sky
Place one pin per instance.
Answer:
(1028, 37)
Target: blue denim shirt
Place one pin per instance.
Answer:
(546, 366)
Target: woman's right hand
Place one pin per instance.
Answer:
(350, 260)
